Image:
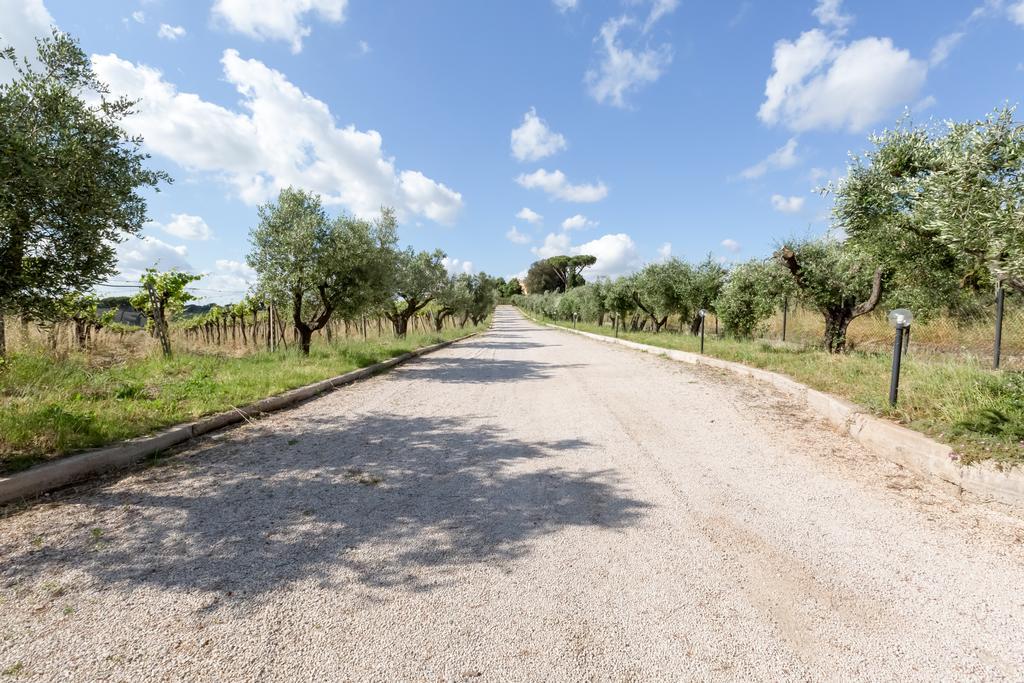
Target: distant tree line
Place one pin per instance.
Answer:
(73, 184)
(931, 219)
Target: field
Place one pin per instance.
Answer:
(940, 335)
(56, 401)
(955, 398)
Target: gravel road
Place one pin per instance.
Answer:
(525, 505)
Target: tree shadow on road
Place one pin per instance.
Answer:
(370, 501)
(462, 370)
(496, 342)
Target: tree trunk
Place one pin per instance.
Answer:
(401, 324)
(695, 324)
(81, 331)
(305, 338)
(836, 324)
(3, 337)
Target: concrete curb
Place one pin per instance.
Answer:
(88, 464)
(907, 448)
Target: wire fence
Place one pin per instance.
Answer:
(938, 335)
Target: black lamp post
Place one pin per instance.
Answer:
(900, 319)
(703, 316)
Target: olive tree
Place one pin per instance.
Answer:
(418, 278)
(704, 284)
(750, 296)
(836, 279)
(664, 289)
(319, 266)
(71, 178)
(452, 298)
(940, 208)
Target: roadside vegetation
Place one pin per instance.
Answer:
(50, 405)
(930, 220)
(959, 401)
(79, 371)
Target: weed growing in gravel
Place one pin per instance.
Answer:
(14, 669)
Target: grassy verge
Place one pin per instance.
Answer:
(51, 406)
(958, 401)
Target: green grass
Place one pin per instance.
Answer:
(52, 406)
(959, 401)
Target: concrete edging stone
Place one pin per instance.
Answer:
(895, 443)
(87, 464)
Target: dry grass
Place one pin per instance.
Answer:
(956, 398)
(52, 403)
(938, 335)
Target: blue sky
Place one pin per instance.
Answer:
(630, 129)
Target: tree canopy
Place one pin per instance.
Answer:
(72, 178)
(418, 278)
(319, 266)
(941, 209)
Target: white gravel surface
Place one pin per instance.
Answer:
(525, 505)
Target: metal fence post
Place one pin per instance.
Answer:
(785, 314)
(1000, 300)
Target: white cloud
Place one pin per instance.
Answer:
(529, 215)
(659, 9)
(578, 222)
(924, 103)
(455, 266)
(731, 244)
(281, 137)
(623, 70)
(787, 204)
(135, 254)
(665, 252)
(228, 282)
(516, 237)
(830, 13)
(554, 245)
(616, 253)
(783, 157)
(139, 17)
(185, 226)
(364, 47)
(944, 46)
(1016, 13)
(23, 22)
(565, 5)
(533, 139)
(428, 198)
(168, 32)
(556, 185)
(819, 82)
(277, 19)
